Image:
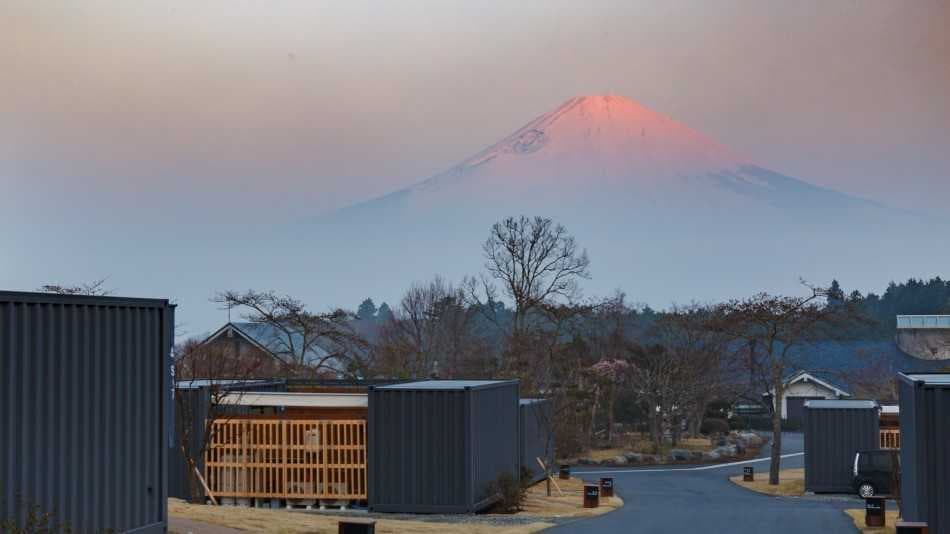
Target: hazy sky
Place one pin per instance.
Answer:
(297, 107)
(167, 113)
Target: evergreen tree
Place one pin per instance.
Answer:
(367, 310)
(384, 314)
(835, 293)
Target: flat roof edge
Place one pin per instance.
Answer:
(921, 378)
(100, 300)
(450, 385)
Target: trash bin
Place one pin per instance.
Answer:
(874, 508)
(607, 487)
(565, 472)
(591, 495)
(748, 474)
(356, 526)
(910, 527)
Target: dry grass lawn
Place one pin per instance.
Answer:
(890, 520)
(539, 505)
(791, 483)
(538, 510)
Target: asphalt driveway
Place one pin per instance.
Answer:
(703, 500)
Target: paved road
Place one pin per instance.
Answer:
(704, 500)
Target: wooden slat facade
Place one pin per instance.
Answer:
(890, 439)
(287, 459)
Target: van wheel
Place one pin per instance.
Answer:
(866, 490)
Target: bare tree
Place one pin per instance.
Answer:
(777, 326)
(204, 376)
(95, 288)
(431, 333)
(653, 375)
(535, 259)
(306, 341)
(873, 376)
(537, 264)
(701, 358)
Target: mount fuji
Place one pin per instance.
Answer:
(666, 214)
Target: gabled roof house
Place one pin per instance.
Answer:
(804, 386)
(287, 347)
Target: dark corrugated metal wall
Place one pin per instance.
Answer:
(495, 443)
(84, 419)
(912, 448)
(188, 401)
(535, 436)
(417, 451)
(832, 437)
(925, 454)
(434, 451)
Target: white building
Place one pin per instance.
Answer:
(803, 386)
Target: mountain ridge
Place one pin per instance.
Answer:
(614, 144)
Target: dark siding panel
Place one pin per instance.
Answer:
(496, 448)
(832, 437)
(535, 437)
(79, 416)
(925, 454)
(912, 507)
(433, 451)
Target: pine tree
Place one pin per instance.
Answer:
(835, 293)
(384, 314)
(367, 310)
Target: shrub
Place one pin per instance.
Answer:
(511, 490)
(36, 521)
(713, 425)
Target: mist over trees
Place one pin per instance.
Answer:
(611, 367)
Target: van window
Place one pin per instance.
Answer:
(882, 461)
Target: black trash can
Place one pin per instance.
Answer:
(607, 487)
(356, 526)
(591, 495)
(910, 527)
(565, 472)
(748, 474)
(874, 508)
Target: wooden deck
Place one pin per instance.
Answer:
(287, 459)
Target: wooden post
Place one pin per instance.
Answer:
(550, 478)
(205, 485)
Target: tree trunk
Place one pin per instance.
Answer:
(593, 416)
(610, 415)
(776, 459)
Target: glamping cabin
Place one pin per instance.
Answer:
(304, 448)
(312, 443)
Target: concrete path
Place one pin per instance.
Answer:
(702, 499)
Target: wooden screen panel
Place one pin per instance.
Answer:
(890, 439)
(287, 459)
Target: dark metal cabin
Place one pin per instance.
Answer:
(925, 449)
(436, 446)
(85, 411)
(834, 431)
(534, 435)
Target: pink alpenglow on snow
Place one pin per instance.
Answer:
(605, 141)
